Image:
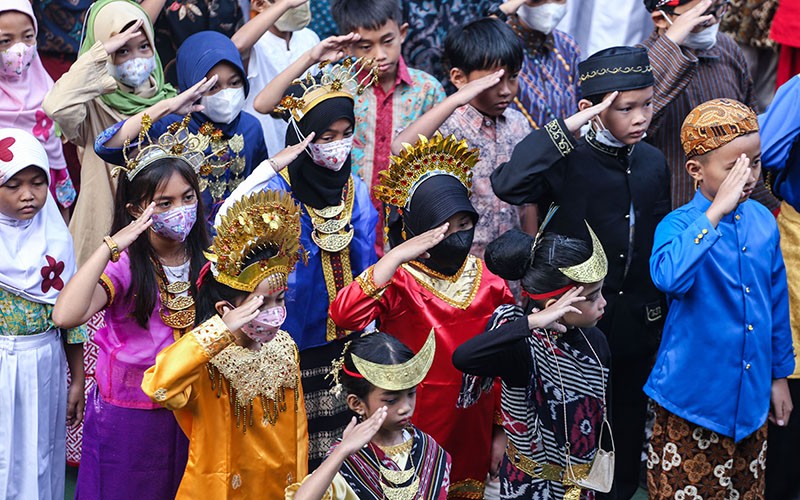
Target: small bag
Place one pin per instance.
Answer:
(601, 474)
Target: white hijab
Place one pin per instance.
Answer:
(36, 255)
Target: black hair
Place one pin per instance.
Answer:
(378, 347)
(212, 291)
(143, 258)
(483, 44)
(351, 15)
(509, 257)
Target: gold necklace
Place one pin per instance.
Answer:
(180, 307)
(332, 229)
(397, 477)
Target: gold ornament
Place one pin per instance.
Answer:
(399, 377)
(256, 222)
(594, 268)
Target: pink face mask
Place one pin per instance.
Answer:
(263, 327)
(175, 224)
(16, 59)
(331, 155)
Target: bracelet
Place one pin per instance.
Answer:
(274, 164)
(112, 245)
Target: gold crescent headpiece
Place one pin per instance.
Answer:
(399, 377)
(592, 269)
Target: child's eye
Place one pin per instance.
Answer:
(39, 182)
(164, 204)
(189, 197)
(390, 401)
(388, 41)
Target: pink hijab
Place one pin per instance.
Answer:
(21, 97)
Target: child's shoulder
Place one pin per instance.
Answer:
(423, 80)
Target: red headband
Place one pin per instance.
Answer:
(352, 374)
(203, 273)
(547, 295)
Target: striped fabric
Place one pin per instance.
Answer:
(684, 79)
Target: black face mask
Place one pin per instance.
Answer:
(449, 255)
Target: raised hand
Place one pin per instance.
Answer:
(685, 23)
(290, 154)
(236, 318)
(356, 436)
(333, 48)
(581, 118)
(471, 90)
(418, 246)
(549, 317)
(730, 192)
(116, 42)
(184, 103)
(128, 234)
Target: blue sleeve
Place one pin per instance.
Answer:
(780, 125)
(782, 352)
(364, 228)
(678, 248)
(114, 155)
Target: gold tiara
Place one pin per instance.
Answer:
(399, 377)
(257, 221)
(592, 269)
(427, 158)
(333, 80)
(176, 142)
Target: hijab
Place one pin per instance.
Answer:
(106, 19)
(36, 255)
(21, 97)
(312, 184)
(196, 56)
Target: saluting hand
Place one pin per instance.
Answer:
(581, 118)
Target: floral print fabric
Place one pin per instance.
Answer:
(20, 316)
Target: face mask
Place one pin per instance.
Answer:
(224, 106)
(133, 72)
(449, 255)
(703, 40)
(294, 19)
(331, 155)
(543, 18)
(175, 224)
(265, 324)
(16, 59)
(605, 137)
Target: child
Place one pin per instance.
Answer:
(338, 219)
(780, 128)
(692, 64)
(401, 96)
(384, 456)
(429, 280)
(551, 357)
(485, 58)
(234, 381)
(281, 45)
(117, 74)
(719, 254)
(622, 185)
(36, 259)
(23, 85)
(133, 448)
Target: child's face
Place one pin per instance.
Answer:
(383, 45)
(271, 299)
(711, 169)
(591, 309)
(138, 47)
(338, 130)
(494, 100)
(172, 193)
(16, 27)
(24, 194)
(630, 114)
(461, 221)
(400, 406)
(228, 75)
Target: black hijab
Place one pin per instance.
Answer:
(434, 201)
(312, 184)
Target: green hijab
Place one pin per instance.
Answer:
(106, 19)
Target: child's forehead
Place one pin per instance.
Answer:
(28, 172)
(390, 27)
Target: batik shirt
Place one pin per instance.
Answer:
(20, 317)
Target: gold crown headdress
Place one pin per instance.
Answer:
(176, 142)
(388, 377)
(257, 221)
(349, 78)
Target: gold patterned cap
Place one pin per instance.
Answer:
(399, 377)
(415, 164)
(176, 142)
(349, 78)
(258, 221)
(715, 123)
(592, 269)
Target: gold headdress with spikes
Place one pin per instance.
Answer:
(257, 221)
(176, 142)
(349, 78)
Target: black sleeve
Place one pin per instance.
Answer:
(501, 352)
(522, 179)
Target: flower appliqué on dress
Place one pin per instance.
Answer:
(43, 125)
(51, 275)
(5, 149)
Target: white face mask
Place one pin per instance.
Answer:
(294, 19)
(542, 18)
(224, 106)
(605, 137)
(702, 40)
(331, 155)
(133, 72)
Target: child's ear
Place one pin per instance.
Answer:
(458, 78)
(133, 210)
(695, 169)
(659, 20)
(222, 306)
(355, 404)
(584, 104)
(403, 32)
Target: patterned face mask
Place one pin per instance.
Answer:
(133, 72)
(175, 224)
(16, 59)
(331, 155)
(262, 328)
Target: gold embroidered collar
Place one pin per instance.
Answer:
(458, 290)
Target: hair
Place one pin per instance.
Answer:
(141, 189)
(351, 15)
(212, 291)
(378, 347)
(483, 44)
(509, 257)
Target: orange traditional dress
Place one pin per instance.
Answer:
(241, 409)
